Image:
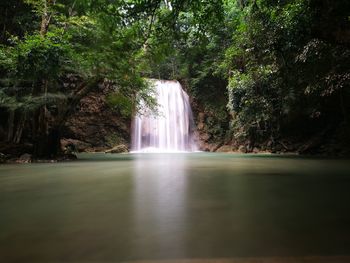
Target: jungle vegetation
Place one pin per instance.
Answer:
(262, 70)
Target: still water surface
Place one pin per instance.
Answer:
(111, 208)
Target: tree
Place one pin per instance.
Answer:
(92, 42)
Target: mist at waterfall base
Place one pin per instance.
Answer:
(168, 129)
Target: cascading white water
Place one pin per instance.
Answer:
(171, 128)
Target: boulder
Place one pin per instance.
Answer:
(121, 148)
(2, 158)
(25, 158)
(200, 126)
(205, 147)
(96, 124)
(225, 149)
(201, 116)
(278, 147)
(204, 137)
(242, 149)
(72, 145)
(256, 150)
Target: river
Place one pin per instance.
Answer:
(137, 207)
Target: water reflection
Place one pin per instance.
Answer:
(116, 208)
(159, 203)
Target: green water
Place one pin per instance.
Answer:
(110, 208)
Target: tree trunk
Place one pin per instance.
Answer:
(40, 133)
(19, 130)
(54, 141)
(343, 107)
(47, 140)
(45, 19)
(48, 145)
(10, 125)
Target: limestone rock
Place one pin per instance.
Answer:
(242, 149)
(225, 148)
(201, 117)
(204, 137)
(96, 123)
(200, 126)
(121, 148)
(25, 158)
(256, 150)
(72, 145)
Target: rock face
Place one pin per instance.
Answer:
(210, 113)
(256, 150)
(211, 130)
(225, 149)
(206, 140)
(95, 126)
(72, 145)
(122, 148)
(242, 149)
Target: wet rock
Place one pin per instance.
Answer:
(256, 150)
(201, 116)
(204, 146)
(225, 148)
(278, 148)
(25, 158)
(200, 126)
(269, 144)
(214, 147)
(204, 137)
(13, 150)
(242, 149)
(201, 120)
(97, 149)
(2, 158)
(72, 145)
(122, 148)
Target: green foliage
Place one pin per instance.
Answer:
(266, 63)
(278, 71)
(121, 102)
(41, 58)
(93, 41)
(29, 62)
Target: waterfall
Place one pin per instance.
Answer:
(171, 129)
